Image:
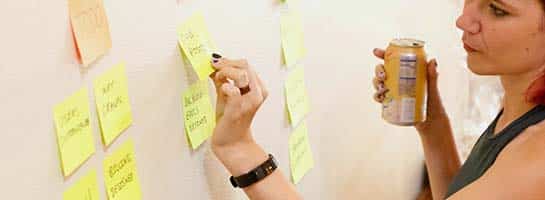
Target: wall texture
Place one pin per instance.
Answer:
(357, 155)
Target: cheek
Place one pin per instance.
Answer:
(520, 52)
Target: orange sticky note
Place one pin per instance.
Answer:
(90, 28)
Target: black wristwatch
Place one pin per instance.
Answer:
(255, 175)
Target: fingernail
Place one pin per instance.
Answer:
(216, 56)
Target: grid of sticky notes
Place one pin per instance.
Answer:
(90, 29)
(197, 45)
(199, 116)
(297, 100)
(85, 189)
(120, 174)
(293, 47)
(112, 101)
(301, 160)
(74, 134)
(73, 130)
(296, 95)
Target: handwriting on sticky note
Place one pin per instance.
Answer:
(112, 100)
(73, 130)
(85, 189)
(90, 28)
(301, 160)
(120, 174)
(198, 113)
(197, 45)
(297, 100)
(292, 38)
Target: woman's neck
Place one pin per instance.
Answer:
(514, 101)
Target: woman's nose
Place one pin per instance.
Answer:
(468, 22)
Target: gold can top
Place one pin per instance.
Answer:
(407, 42)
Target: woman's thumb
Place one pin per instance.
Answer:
(432, 74)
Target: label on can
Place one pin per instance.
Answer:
(405, 63)
(407, 75)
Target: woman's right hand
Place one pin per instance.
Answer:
(436, 115)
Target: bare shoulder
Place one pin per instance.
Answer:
(518, 173)
(522, 163)
(527, 148)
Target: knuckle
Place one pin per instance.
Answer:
(244, 62)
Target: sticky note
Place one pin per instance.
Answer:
(112, 101)
(90, 29)
(85, 189)
(73, 129)
(301, 160)
(197, 45)
(297, 100)
(199, 116)
(292, 37)
(120, 174)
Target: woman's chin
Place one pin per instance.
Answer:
(480, 70)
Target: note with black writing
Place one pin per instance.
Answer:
(120, 174)
(197, 45)
(199, 116)
(85, 189)
(112, 101)
(292, 36)
(297, 99)
(301, 160)
(73, 130)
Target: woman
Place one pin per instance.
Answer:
(502, 37)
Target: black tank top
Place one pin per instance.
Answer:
(488, 147)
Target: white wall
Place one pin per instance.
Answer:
(357, 155)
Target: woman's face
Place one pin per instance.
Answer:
(503, 37)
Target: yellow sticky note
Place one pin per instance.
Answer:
(198, 113)
(297, 100)
(85, 189)
(112, 101)
(74, 133)
(120, 174)
(301, 160)
(90, 29)
(197, 45)
(292, 37)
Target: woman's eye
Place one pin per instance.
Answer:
(498, 12)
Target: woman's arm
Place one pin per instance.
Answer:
(240, 93)
(243, 158)
(442, 159)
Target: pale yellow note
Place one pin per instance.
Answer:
(292, 37)
(112, 101)
(197, 45)
(90, 28)
(301, 160)
(199, 117)
(297, 100)
(73, 129)
(120, 174)
(85, 189)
